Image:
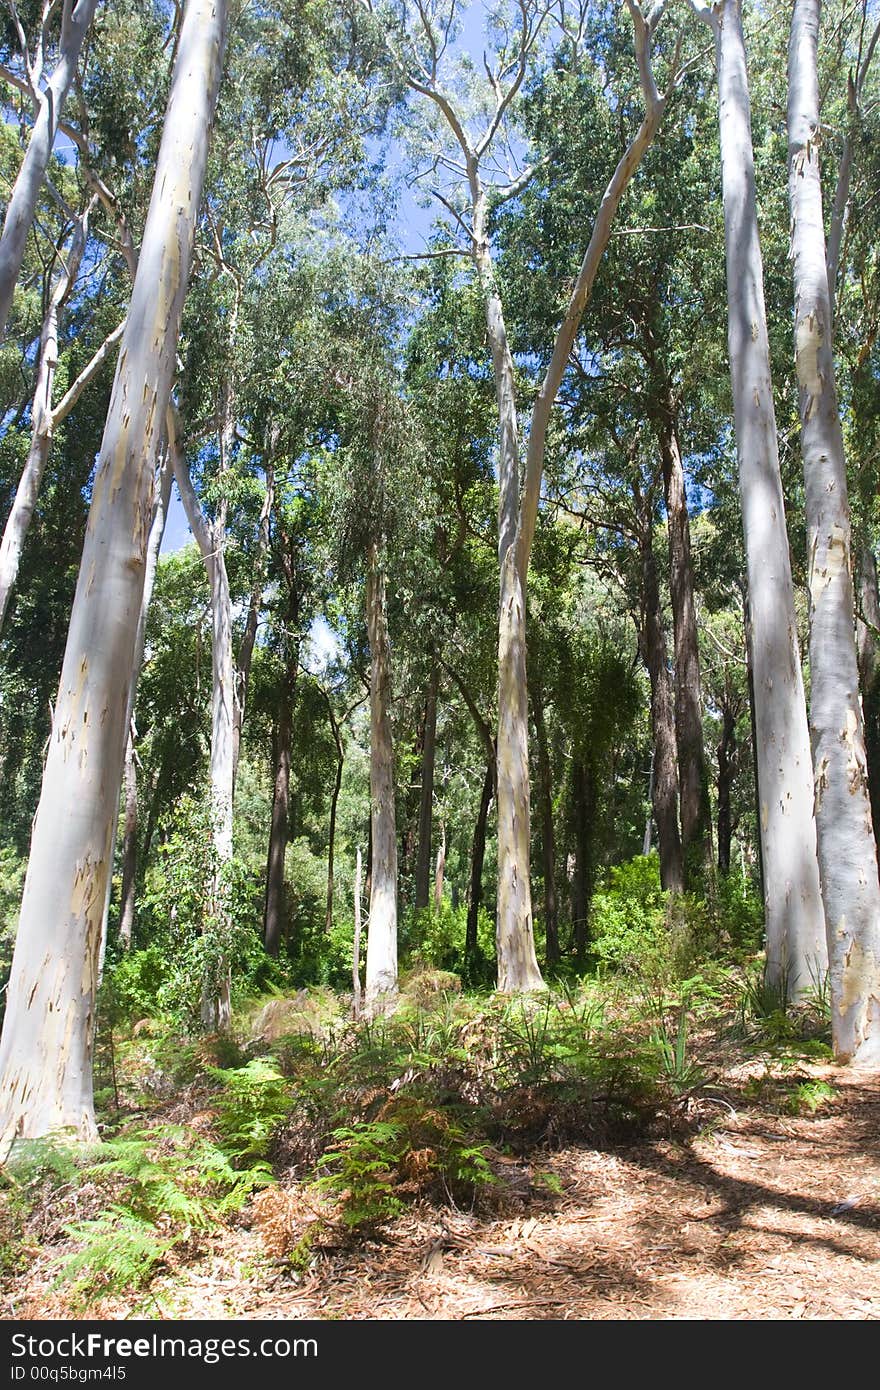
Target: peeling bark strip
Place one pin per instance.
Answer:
(46, 1048)
(794, 917)
(76, 16)
(381, 979)
(847, 850)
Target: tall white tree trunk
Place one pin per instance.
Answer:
(216, 1010)
(46, 1048)
(45, 418)
(356, 942)
(129, 784)
(381, 977)
(210, 540)
(847, 850)
(794, 917)
(76, 16)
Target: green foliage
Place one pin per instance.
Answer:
(412, 1146)
(118, 1252)
(628, 918)
(740, 914)
(809, 1096)
(168, 1185)
(137, 980)
(768, 1018)
(437, 935)
(681, 1073)
(255, 1100)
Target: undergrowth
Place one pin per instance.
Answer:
(444, 1104)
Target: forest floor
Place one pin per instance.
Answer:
(747, 1212)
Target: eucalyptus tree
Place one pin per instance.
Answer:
(45, 1052)
(30, 71)
(47, 415)
(795, 926)
(469, 141)
(846, 844)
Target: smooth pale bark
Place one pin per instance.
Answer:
(274, 916)
(381, 977)
(249, 636)
(426, 795)
(334, 802)
(356, 943)
(46, 417)
(847, 849)
(694, 804)
(130, 791)
(517, 963)
(548, 839)
(794, 917)
(868, 636)
(664, 783)
(129, 843)
(440, 870)
(222, 680)
(216, 1010)
(76, 16)
(46, 1048)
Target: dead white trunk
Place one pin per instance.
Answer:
(381, 979)
(794, 917)
(847, 850)
(76, 16)
(46, 1048)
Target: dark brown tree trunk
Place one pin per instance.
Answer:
(726, 767)
(426, 802)
(583, 806)
(548, 844)
(273, 922)
(478, 854)
(653, 641)
(696, 832)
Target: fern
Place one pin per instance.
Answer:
(255, 1102)
(120, 1251)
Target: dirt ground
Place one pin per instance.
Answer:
(756, 1213)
